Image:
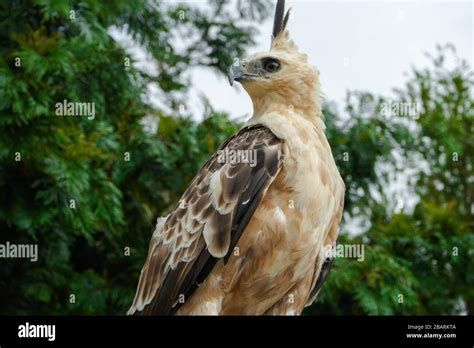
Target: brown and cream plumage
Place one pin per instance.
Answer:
(247, 237)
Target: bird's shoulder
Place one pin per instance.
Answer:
(209, 219)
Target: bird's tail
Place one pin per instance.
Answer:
(140, 300)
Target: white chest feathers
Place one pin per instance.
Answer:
(309, 170)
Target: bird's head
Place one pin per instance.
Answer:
(281, 74)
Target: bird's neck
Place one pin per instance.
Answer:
(275, 102)
(285, 122)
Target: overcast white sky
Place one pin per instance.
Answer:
(356, 45)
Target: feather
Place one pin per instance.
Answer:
(281, 19)
(285, 21)
(322, 269)
(187, 246)
(278, 19)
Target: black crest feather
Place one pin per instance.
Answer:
(281, 19)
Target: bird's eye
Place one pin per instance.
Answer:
(271, 65)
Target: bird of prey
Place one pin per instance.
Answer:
(248, 236)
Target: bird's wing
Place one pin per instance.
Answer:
(323, 263)
(208, 221)
(318, 282)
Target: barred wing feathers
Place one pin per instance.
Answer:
(208, 221)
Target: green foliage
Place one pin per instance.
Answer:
(426, 256)
(130, 164)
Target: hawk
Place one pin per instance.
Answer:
(249, 235)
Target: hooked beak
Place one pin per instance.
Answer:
(238, 73)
